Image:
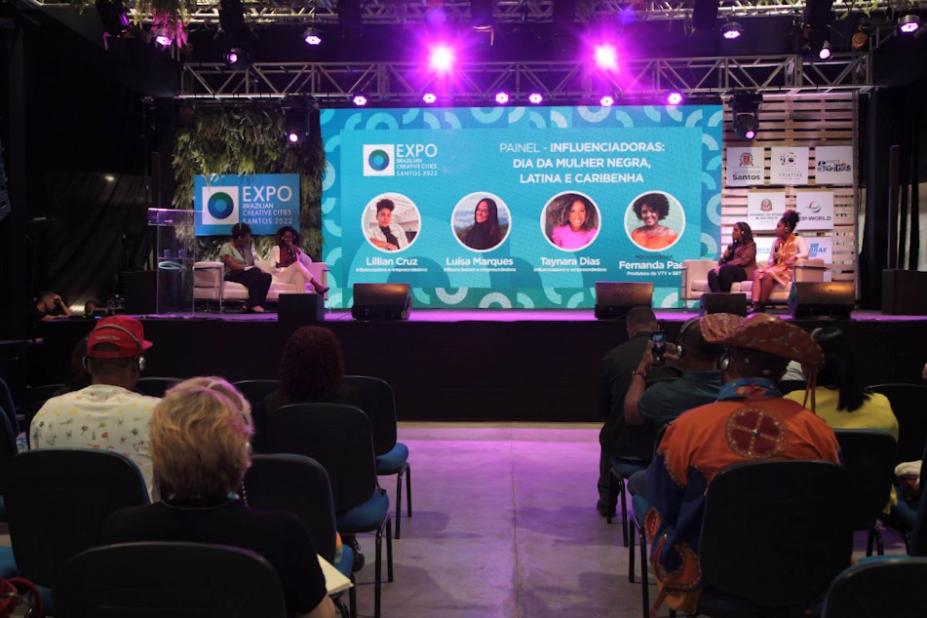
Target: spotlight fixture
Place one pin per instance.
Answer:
(535, 98)
(441, 58)
(237, 57)
(825, 52)
(502, 98)
(732, 30)
(109, 178)
(481, 17)
(114, 16)
(606, 57)
(312, 36)
(674, 98)
(607, 101)
(163, 40)
(429, 97)
(744, 106)
(296, 126)
(359, 100)
(909, 23)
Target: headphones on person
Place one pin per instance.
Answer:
(725, 361)
(141, 359)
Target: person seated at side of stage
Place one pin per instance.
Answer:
(47, 308)
(617, 438)
(200, 436)
(238, 257)
(291, 264)
(750, 422)
(839, 397)
(788, 248)
(738, 261)
(699, 383)
(117, 416)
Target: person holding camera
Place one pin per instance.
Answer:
(699, 384)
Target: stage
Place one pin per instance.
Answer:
(465, 365)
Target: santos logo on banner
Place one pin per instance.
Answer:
(744, 167)
(266, 202)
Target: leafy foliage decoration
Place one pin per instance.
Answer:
(249, 140)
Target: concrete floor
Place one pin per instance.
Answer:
(504, 525)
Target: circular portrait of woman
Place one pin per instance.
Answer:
(655, 221)
(391, 222)
(570, 221)
(481, 221)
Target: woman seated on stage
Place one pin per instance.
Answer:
(291, 262)
(238, 257)
(738, 261)
(788, 248)
(200, 449)
(651, 209)
(311, 370)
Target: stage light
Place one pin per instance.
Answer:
(536, 98)
(296, 124)
(109, 178)
(732, 30)
(429, 97)
(502, 98)
(114, 17)
(674, 98)
(359, 100)
(481, 17)
(292, 137)
(163, 40)
(825, 52)
(441, 58)
(607, 101)
(744, 106)
(909, 23)
(237, 57)
(606, 57)
(312, 36)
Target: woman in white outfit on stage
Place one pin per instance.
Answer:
(291, 263)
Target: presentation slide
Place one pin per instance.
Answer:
(519, 207)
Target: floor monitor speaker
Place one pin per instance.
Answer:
(295, 310)
(712, 302)
(834, 299)
(381, 301)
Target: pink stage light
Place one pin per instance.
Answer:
(292, 137)
(750, 134)
(607, 101)
(825, 52)
(163, 40)
(429, 97)
(502, 98)
(536, 98)
(674, 98)
(606, 57)
(441, 58)
(359, 100)
(909, 23)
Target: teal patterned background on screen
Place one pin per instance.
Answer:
(563, 182)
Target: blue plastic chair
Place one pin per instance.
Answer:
(887, 586)
(379, 403)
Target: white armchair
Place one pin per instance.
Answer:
(209, 282)
(695, 279)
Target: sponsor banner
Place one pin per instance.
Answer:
(764, 209)
(789, 165)
(833, 165)
(744, 167)
(816, 209)
(821, 248)
(266, 202)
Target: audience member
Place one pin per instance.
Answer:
(107, 414)
(78, 377)
(750, 421)
(200, 446)
(839, 397)
(90, 308)
(617, 438)
(238, 257)
(699, 383)
(48, 307)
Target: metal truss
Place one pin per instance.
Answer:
(560, 82)
(386, 12)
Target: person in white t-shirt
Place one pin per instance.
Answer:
(107, 414)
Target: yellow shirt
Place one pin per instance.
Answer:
(875, 413)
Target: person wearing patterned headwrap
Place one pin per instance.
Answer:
(750, 421)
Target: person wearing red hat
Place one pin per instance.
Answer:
(108, 414)
(750, 421)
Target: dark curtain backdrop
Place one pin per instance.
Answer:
(891, 116)
(95, 229)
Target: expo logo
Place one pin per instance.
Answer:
(379, 160)
(413, 151)
(220, 205)
(266, 194)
